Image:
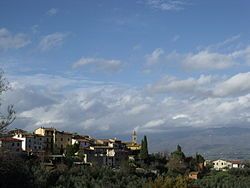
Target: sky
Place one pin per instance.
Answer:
(98, 67)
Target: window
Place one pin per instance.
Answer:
(18, 144)
(13, 144)
(68, 139)
(29, 140)
(221, 163)
(61, 139)
(39, 147)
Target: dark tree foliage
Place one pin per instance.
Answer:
(72, 149)
(223, 179)
(6, 118)
(176, 164)
(144, 148)
(14, 171)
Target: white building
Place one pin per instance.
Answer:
(83, 141)
(33, 143)
(221, 164)
(224, 165)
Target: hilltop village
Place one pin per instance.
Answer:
(51, 158)
(50, 144)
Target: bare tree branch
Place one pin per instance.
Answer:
(9, 117)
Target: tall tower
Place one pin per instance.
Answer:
(134, 137)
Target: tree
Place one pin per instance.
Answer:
(144, 148)
(176, 164)
(5, 118)
(72, 149)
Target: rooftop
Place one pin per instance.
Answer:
(9, 139)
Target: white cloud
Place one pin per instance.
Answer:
(180, 116)
(89, 107)
(51, 41)
(202, 60)
(167, 5)
(205, 60)
(226, 44)
(52, 12)
(153, 123)
(220, 56)
(154, 57)
(189, 86)
(243, 55)
(236, 85)
(98, 64)
(138, 109)
(10, 41)
(203, 86)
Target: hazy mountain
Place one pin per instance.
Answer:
(231, 143)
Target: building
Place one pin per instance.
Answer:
(83, 141)
(237, 164)
(62, 140)
(34, 143)
(133, 146)
(227, 164)
(107, 152)
(58, 139)
(49, 133)
(11, 144)
(194, 175)
(221, 164)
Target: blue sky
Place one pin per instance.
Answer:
(149, 65)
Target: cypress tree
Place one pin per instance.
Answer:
(144, 148)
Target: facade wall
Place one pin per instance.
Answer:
(221, 164)
(56, 141)
(13, 146)
(34, 143)
(62, 139)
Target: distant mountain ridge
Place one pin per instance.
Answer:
(212, 143)
(224, 142)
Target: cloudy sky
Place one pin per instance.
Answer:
(114, 66)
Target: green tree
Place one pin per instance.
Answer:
(176, 164)
(8, 117)
(144, 148)
(72, 149)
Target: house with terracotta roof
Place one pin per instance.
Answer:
(11, 144)
(194, 175)
(34, 143)
(83, 141)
